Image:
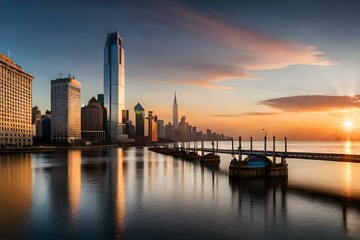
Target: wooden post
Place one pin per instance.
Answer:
(274, 156)
(240, 157)
(251, 144)
(213, 147)
(232, 146)
(265, 138)
(202, 148)
(284, 158)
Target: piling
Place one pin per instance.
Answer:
(274, 155)
(232, 146)
(251, 144)
(240, 157)
(265, 138)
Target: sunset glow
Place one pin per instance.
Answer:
(348, 125)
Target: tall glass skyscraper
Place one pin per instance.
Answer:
(175, 113)
(114, 86)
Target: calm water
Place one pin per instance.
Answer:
(137, 194)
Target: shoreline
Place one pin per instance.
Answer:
(38, 149)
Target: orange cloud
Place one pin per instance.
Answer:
(313, 103)
(250, 50)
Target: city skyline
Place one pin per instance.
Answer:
(235, 72)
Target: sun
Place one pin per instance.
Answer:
(348, 125)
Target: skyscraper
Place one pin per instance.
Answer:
(92, 126)
(175, 114)
(15, 104)
(152, 127)
(114, 86)
(36, 121)
(65, 110)
(139, 120)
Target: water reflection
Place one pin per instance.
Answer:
(15, 193)
(74, 181)
(120, 194)
(135, 194)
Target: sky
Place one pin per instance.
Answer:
(289, 67)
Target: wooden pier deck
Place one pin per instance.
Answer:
(336, 157)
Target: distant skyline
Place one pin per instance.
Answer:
(290, 67)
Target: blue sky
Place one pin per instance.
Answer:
(223, 58)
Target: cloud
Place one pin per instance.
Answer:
(242, 49)
(313, 103)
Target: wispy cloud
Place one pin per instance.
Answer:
(249, 50)
(313, 103)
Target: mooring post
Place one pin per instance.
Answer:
(284, 158)
(213, 147)
(217, 146)
(202, 147)
(251, 145)
(274, 156)
(265, 137)
(240, 157)
(232, 146)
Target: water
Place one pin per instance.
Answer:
(137, 194)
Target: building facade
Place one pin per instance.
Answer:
(16, 104)
(92, 126)
(160, 128)
(114, 86)
(65, 110)
(175, 114)
(152, 127)
(36, 121)
(139, 120)
(46, 125)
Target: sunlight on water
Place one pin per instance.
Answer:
(347, 148)
(133, 193)
(74, 179)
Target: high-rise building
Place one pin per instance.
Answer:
(15, 104)
(139, 120)
(46, 125)
(160, 128)
(169, 131)
(101, 99)
(92, 121)
(152, 127)
(36, 122)
(114, 86)
(182, 128)
(65, 110)
(175, 113)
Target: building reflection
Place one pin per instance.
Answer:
(74, 182)
(16, 192)
(120, 194)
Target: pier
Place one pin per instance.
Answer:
(256, 164)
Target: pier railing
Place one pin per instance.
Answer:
(336, 157)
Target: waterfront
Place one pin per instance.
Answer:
(133, 193)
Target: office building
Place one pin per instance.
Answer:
(182, 128)
(16, 104)
(114, 86)
(175, 114)
(152, 127)
(36, 122)
(92, 126)
(65, 110)
(139, 120)
(160, 128)
(46, 125)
